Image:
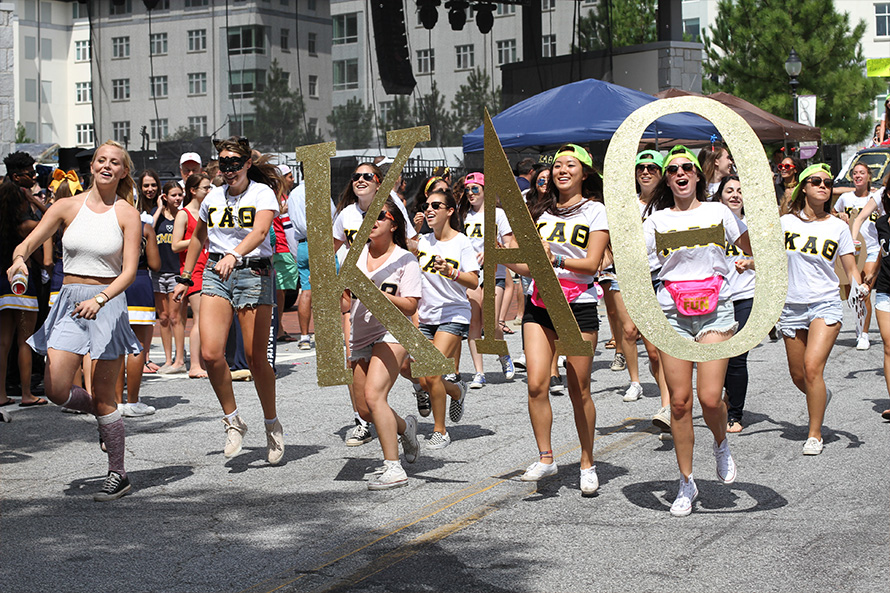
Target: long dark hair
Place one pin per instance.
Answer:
(708, 158)
(347, 196)
(260, 172)
(460, 189)
(12, 203)
(455, 220)
(399, 234)
(663, 197)
(534, 185)
(591, 189)
(799, 166)
(191, 184)
(144, 205)
(718, 196)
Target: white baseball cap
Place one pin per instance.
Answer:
(283, 170)
(190, 156)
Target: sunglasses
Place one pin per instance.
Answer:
(785, 167)
(651, 168)
(475, 190)
(542, 182)
(230, 164)
(365, 176)
(433, 205)
(817, 181)
(384, 215)
(687, 167)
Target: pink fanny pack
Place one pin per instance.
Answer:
(570, 288)
(695, 297)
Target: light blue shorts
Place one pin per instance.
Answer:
(695, 327)
(872, 253)
(245, 287)
(882, 302)
(799, 316)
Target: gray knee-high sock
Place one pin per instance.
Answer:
(111, 429)
(79, 399)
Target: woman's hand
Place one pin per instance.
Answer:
(843, 216)
(480, 258)
(87, 309)
(179, 291)
(550, 256)
(418, 221)
(18, 265)
(225, 266)
(743, 265)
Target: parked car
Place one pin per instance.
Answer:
(877, 159)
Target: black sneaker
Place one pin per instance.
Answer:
(114, 487)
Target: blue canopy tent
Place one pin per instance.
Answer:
(583, 112)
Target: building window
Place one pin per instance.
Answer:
(198, 125)
(197, 83)
(692, 28)
(120, 47)
(548, 46)
(78, 11)
(506, 51)
(426, 61)
(159, 129)
(30, 48)
(465, 57)
(506, 9)
(196, 3)
(158, 44)
(83, 92)
(385, 109)
(313, 86)
(125, 7)
(345, 28)
(85, 136)
(120, 89)
(82, 51)
(285, 40)
(31, 93)
(313, 127)
(882, 19)
(158, 86)
(46, 91)
(244, 84)
(121, 131)
(241, 125)
(346, 74)
(46, 48)
(247, 40)
(312, 44)
(311, 4)
(548, 4)
(197, 40)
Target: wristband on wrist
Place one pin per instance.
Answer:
(455, 274)
(185, 279)
(234, 254)
(19, 255)
(186, 275)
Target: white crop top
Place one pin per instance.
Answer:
(93, 244)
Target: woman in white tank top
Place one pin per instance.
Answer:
(101, 243)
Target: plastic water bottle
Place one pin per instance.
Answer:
(19, 283)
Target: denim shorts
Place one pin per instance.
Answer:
(799, 316)
(695, 327)
(882, 302)
(303, 265)
(366, 352)
(871, 255)
(429, 330)
(245, 287)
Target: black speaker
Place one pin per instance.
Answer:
(391, 41)
(831, 154)
(68, 158)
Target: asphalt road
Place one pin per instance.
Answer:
(198, 522)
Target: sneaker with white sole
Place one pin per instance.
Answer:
(813, 446)
(478, 381)
(633, 393)
(451, 377)
(725, 465)
(410, 446)
(115, 486)
(305, 344)
(507, 367)
(686, 495)
(235, 430)
(519, 362)
(457, 407)
(136, 409)
(274, 442)
(619, 363)
(392, 477)
(438, 441)
(538, 470)
(360, 435)
(589, 482)
(423, 400)
(662, 419)
(556, 387)
(863, 342)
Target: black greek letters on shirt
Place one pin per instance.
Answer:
(810, 245)
(350, 236)
(389, 288)
(577, 235)
(226, 219)
(872, 217)
(475, 232)
(429, 266)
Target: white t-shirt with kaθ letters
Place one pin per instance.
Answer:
(682, 261)
(474, 228)
(230, 219)
(812, 248)
(399, 276)
(444, 300)
(849, 201)
(350, 219)
(569, 235)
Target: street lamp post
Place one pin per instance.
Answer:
(792, 67)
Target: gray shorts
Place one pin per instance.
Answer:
(106, 337)
(163, 283)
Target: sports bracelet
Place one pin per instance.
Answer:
(455, 274)
(19, 255)
(236, 255)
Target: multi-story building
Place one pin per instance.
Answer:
(108, 69)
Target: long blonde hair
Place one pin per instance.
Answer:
(126, 185)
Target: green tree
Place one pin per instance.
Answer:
(21, 137)
(181, 133)
(430, 110)
(279, 114)
(352, 124)
(633, 23)
(472, 98)
(746, 49)
(399, 115)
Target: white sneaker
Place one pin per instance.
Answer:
(725, 465)
(451, 377)
(274, 442)
(662, 419)
(863, 343)
(633, 393)
(410, 446)
(478, 381)
(813, 446)
(393, 476)
(438, 441)
(136, 410)
(519, 362)
(686, 494)
(589, 482)
(538, 470)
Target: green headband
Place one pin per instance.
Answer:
(817, 168)
(576, 151)
(680, 151)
